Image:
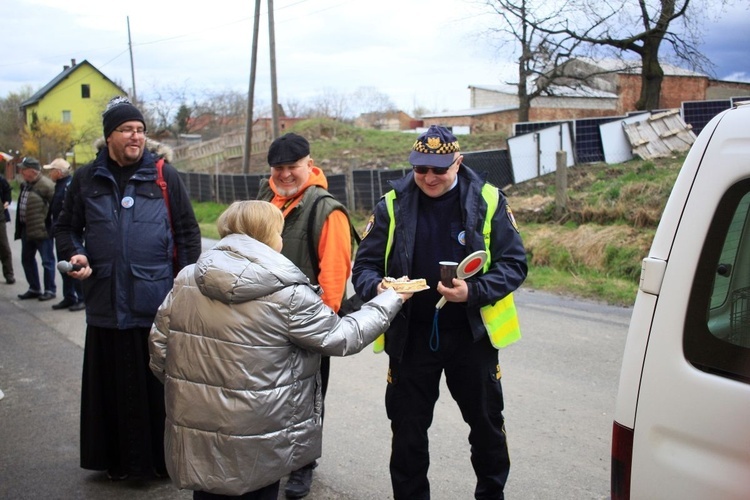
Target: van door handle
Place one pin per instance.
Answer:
(724, 270)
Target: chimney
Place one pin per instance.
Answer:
(66, 67)
(72, 62)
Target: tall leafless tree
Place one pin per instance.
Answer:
(640, 27)
(534, 29)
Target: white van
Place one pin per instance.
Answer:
(682, 418)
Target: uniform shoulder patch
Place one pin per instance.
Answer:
(511, 217)
(369, 226)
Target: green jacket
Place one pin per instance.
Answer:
(38, 222)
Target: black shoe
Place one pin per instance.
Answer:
(29, 295)
(10, 280)
(299, 482)
(159, 473)
(116, 475)
(78, 306)
(63, 304)
(47, 296)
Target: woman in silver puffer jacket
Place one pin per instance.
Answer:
(237, 343)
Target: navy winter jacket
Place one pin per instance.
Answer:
(506, 272)
(127, 240)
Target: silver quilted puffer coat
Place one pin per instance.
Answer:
(237, 343)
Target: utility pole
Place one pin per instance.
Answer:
(274, 95)
(251, 93)
(132, 68)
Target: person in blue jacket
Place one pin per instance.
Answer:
(438, 214)
(116, 229)
(59, 173)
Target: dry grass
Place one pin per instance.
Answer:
(590, 245)
(594, 245)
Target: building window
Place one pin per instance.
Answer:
(66, 116)
(85, 91)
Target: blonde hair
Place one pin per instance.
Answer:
(258, 219)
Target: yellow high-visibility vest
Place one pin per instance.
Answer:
(500, 319)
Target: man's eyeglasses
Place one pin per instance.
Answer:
(131, 131)
(436, 171)
(424, 170)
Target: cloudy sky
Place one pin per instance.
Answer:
(419, 52)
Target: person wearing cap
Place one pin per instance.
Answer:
(442, 211)
(297, 187)
(6, 255)
(119, 235)
(59, 172)
(34, 229)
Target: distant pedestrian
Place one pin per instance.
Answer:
(115, 226)
(6, 256)
(59, 172)
(34, 229)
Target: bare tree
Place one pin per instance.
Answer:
(372, 105)
(534, 29)
(330, 103)
(162, 105)
(220, 112)
(640, 27)
(295, 108)
(12, 120)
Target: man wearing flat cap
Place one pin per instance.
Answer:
(444, 211)
(34, 229)
(300, 190)
(119, 232)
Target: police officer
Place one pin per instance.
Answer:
(444, 211)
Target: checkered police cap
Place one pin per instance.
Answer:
(434, 148)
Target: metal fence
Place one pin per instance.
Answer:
(367, 186)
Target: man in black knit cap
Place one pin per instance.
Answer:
(115, 230)
(444, 211)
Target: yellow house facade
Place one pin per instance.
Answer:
(76, 96)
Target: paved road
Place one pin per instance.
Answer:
(560, 382)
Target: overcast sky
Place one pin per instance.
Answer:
(419, 52)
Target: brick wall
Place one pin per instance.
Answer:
(674, 90)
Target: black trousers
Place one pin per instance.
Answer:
(6, 256)
(472, 374)
(270, 492)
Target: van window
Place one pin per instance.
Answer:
(717, 326)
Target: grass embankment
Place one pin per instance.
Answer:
(593, 250)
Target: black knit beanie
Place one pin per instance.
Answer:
(120, 110)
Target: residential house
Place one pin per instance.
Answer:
(494, 108)
(78, 95)
(611, 88)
